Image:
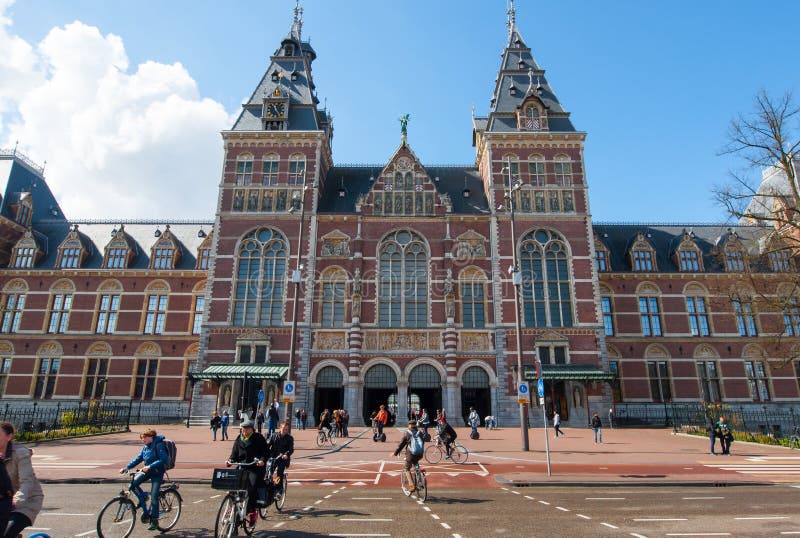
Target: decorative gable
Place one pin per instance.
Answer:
(204, 250)
(26, 252)
(72, 251)
(404, 188)
(688, 256)
(335, 243)
(470, 245)
(642, 254)
(166, 252)
(120, 251)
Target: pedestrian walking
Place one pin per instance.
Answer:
(272, 419)
(260, 421)
(297, 419)
(597, 427)
(216, 422)
(474, 421)
(26, 495)
(225, 422)
(557, 425)
(711, 431)
(303, 419)
(345, 422)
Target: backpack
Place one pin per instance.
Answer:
(172, 453)
(416, 445)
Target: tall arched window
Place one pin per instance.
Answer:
(546, 289)
(403, 298)
(260, 279)
(472, 282)
(334, 286)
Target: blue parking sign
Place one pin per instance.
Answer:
(540, 386)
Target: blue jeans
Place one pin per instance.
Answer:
(224, 432)
(155, 477)
(272, 425)
(215, 432)
(598, 435)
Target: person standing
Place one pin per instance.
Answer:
(381, 419)
(424, 421)
(597, 427)
(225, 422)
(24, 486)
(260, 421)
(272, 419)
(725, 436)
(557, 425)
(712, 435)
(216, 422)
(297, 419)
(345, 423)
(154, 456)
(474, 421)
(303, 418)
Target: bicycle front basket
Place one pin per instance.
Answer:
(227, 479)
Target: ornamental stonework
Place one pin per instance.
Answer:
(468, 341)
(401, 341)
(330, 340)
(470, 245)
(335, 244)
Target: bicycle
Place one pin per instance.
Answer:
(420, 483)
(436, 450)
(117, 518)
(232, 513)
(326, 435)
(794, 439)
(277, 492)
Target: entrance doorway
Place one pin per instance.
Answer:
(250, 388)
(425, 389)
(329, 393)
(555, 398)
(475, 392)
(380, 387)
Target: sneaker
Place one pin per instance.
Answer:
(153, 526)
(412, 488)
(252, 518)
(261, 502)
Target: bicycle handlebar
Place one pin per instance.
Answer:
(240, 464)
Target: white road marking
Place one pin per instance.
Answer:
(562, 509)
(609, 525)
(371, 498)
(700, 498)
(363, 519)
(327, 496)
(216, 496)
(426, 508)
(318, 502)
(545, 502)
(582, 516)
(638, 535)
(699, 534)
(200, 501)
(86, 533)
(761, 517)
(661, 519)
(350, 534)
(279, 524)
(456, 536)
(446, 526)
(790, 532)
(380, 470)
(529, 497)
(605, 498)
(515, 492)
(434, 516)
(63, 514)
(307, 508)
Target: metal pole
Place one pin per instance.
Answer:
(516, 279)
(296, 278)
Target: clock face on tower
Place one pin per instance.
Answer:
(275, 110)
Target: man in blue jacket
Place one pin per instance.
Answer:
(154, 456)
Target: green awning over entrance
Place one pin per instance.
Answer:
(569, 372)
(237, 371)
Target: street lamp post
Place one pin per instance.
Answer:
(516, 279)
(296, 279)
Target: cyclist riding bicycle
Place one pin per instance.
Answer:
(154, 456)
(280, 446)
(381, 419)
(413, 445)
(250, 446)
(448, 435)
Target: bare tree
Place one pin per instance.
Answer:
(766, 194)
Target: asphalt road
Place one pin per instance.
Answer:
(347, 510)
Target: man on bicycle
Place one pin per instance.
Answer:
(448, 435)
(280, 447)
(413, 445)
(250, 446)
(154, 456)
(381, 419)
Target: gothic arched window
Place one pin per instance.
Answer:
(403, 296)
(472, 282)
(546, 289)
(260, 279)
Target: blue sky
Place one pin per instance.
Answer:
(654, 84)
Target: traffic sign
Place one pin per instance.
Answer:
(260, 396)
(288, 391)
(523, 393)
(540, 386)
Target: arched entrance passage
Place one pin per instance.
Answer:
(380, 386)
(555, 397)
(329, 392)
(475, 392)
(425, 389)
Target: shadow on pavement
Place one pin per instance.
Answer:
(453, 500)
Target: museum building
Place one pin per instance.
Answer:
(399, 283)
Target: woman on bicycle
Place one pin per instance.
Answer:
(154, 456)
(280, 447)
(413, 445)
(250, 446)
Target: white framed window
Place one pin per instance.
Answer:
(690, 260)
(698, 316)
(260, 280)
(547, 292)
(107, 313)
(745, 318)
(563, 171)
(12, 313)
(116, 257)
(403, 281)
(156, 314)
(24, 258)
(757, 380)
(607, 306)
(95, 379)
(269, 169)
(780, 261)
(145, 380)
(536, 170)
(650, 316)
(5, 369)
(197, 314)
(708, 375)
(244, 170)
(642, 260)
(45, 380)
(59, 313)
(660, 385)
(791, 317)
(297, 169)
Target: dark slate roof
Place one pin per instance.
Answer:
(356, 181)
(20, 175)
(95, 235)
(504, 105)
(665, 238)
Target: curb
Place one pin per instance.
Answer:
(626, 484)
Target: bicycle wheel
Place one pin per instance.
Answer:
(321, 438)
(459, 454)
(433, 454)
(332, 438)
(404, 483)
(263, 512)
(169, 509)
(117, 518)
(422, 487)
(225, 525)
(280, 495)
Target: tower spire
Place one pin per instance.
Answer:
(511, 12)
(297, 22)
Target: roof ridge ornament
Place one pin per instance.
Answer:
(511, 12)
(404, 126)
(297, 22)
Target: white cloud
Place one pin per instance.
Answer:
(119, 142)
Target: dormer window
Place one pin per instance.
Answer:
(642, 255)
(275, 76)
(532, 122)
(25, 209)
(204, 252)
(288, 50)
(119, 252)
(165, 253)
(244, 170)
(26, 252)
(601, 256)
(780, 261)
(689, 256)
(71, 252)
(115, 258)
